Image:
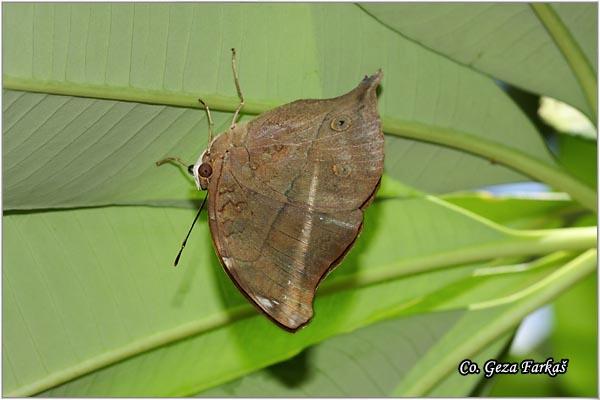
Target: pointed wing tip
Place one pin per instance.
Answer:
(370, 83)
(374, 79)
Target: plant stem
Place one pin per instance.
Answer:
(571, 51)
(495, 152)
(127, 93)
(519, 243)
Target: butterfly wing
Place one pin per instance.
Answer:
(287, 193)
(333, 148)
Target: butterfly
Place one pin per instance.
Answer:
(287, 192)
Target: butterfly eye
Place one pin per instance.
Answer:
(341, 123)
(205, 170)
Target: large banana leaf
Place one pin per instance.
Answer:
(543, 48)
(172, 54)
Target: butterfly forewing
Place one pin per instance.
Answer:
(287, 193)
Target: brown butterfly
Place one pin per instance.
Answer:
(286, 194)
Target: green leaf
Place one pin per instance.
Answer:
(576, 337)
(109, 268)
(94, 152)
(456, 385)
(517, 212)
(368, 363)
(578, 156)
(95, 93)
(508, 41)
(579, 62)
(573, 337)
(501, 319)
(166, 54)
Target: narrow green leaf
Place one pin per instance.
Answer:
(516, 211)
(501, 319)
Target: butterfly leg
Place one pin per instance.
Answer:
(210, 121)
(176, 160)
(237, 86)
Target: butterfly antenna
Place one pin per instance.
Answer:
(190, 231)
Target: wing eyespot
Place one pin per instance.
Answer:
(342, 170)
(341, 123)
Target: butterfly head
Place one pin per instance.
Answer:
(201, 171)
